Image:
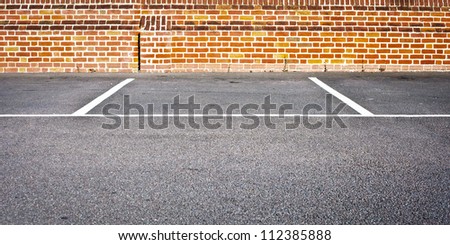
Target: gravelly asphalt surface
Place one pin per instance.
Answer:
(375, 171)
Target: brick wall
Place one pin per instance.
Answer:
(224, 35)
(68, 35)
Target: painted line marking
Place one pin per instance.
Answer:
(85, 109)
(361, 110)
(229, 115)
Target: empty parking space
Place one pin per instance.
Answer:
(396, 93)
(51, 93)
(224, 89)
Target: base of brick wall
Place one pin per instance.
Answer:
(303, 68)
(247, 68)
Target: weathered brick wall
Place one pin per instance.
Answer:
(68, 35)
(224, 35)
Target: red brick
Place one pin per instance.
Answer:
(397, 36)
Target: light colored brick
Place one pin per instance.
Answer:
(201, 17)
(259, 33)
(236, 55)
(246, 17)
(315, 61)
(12, 49)
(303, 12)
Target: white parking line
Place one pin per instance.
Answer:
(85, 109)
(231, 115)
(361, 110)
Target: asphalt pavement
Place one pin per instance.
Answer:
(375, 170)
